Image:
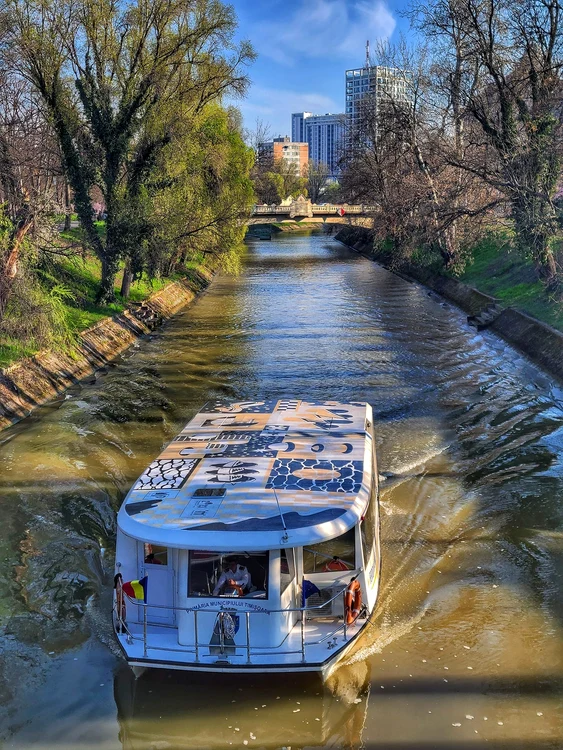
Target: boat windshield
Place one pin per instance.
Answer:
(228, 574)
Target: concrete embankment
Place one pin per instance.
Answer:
(539, 341)
(34, 381)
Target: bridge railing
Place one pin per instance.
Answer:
(328, 209)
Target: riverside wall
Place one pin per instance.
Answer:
(34, 381)
(539, 341)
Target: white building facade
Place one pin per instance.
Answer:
(325, 136)
(376, 81)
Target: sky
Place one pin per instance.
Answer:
(304, 48)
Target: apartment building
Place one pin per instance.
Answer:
(293, 152)
(324, 134)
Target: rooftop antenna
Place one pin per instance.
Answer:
(368, 62)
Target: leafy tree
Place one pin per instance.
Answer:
(275, 180)
(115, 79)
(202, 210)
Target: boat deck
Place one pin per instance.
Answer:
(163, 649)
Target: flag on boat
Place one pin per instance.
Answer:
(308, 590)
(137, 589)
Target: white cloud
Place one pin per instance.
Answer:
(275, 106)
(325, 28)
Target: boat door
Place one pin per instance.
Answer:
(157, 566)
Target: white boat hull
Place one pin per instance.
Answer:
(273, 663)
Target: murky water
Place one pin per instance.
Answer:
(466, 647)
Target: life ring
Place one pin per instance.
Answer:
(352, 601)
(336, 564)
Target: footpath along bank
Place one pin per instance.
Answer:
(539, 341)
(34, 381)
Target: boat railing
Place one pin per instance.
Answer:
(224, 625)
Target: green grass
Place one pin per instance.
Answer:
(12, 350)
(500, 270)
(81, 276)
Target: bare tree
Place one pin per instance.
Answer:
(317, 178)
(30, 177)
(504, 66)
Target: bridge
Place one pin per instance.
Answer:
(302, 208)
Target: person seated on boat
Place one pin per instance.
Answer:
(336, 564)
(234, 580)
(152, 560)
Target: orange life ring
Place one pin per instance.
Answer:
(352, 601)
(335, 564)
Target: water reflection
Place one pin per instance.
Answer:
(179, 710)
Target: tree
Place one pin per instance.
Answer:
(507, 70)
(276, 180)
(203, 208)
(317, 175)
(29, 168)
(115, 78)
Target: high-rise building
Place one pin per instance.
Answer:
(376, 81)
(298, 130)
(292, 152)
(324, 134)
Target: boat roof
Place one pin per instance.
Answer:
(256, 475)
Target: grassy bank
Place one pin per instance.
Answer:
(498, 269)
(68, 286)
(494, 267)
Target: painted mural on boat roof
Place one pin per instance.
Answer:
(240, 466)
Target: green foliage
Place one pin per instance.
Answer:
(123, 82)
(500, 270)
(278, 180)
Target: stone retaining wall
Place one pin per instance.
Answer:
(539, 341)
(31, 382)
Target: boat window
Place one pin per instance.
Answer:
(336, 554)
(367, 530)
(287, 568)
(228, 574)
(155, 555)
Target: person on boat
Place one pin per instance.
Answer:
(152, 560)
(234, 580)
(336, 564)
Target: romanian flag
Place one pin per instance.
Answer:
(137, 589)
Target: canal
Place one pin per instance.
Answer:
(466, 647)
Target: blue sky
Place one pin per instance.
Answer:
(304, 48)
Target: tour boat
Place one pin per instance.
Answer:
(251, 544)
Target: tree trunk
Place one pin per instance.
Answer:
(68, 207)
(110, 267)
(9, 270)
(535, 225)
(126, 281)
